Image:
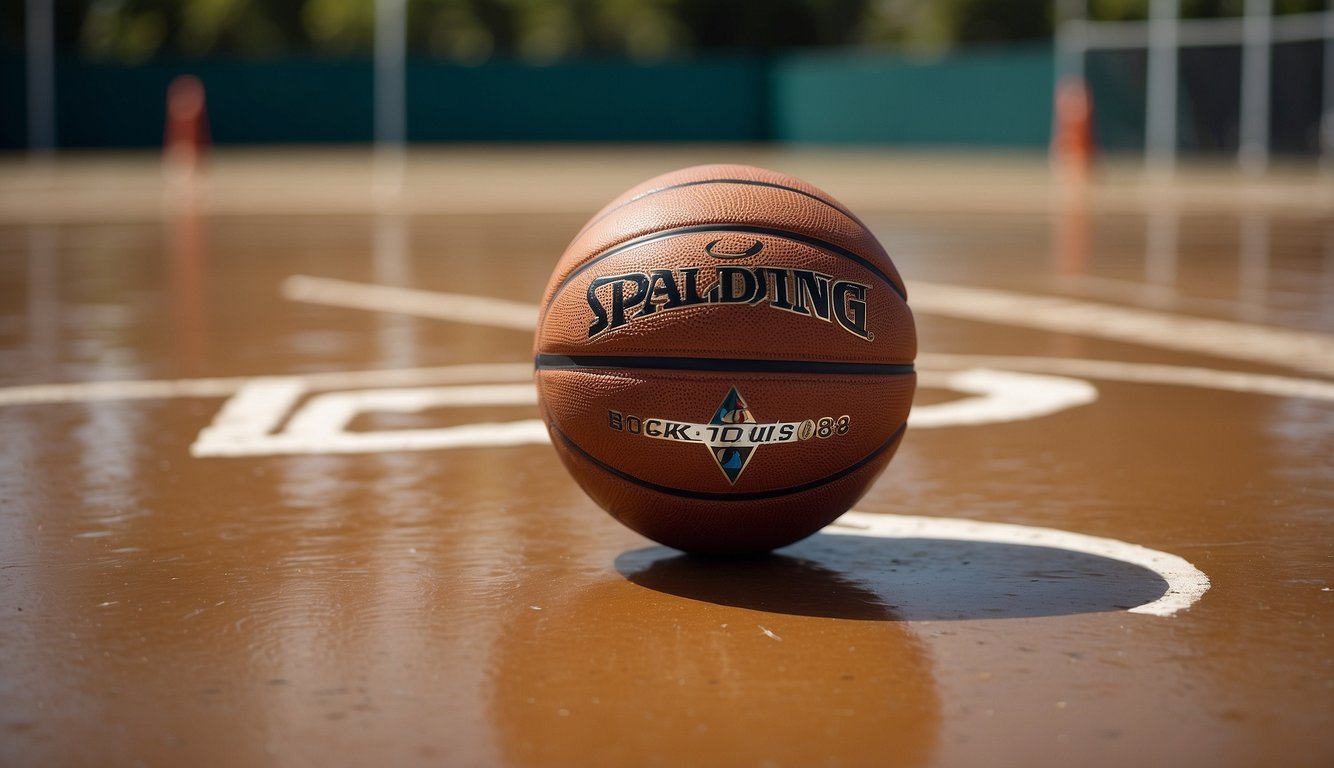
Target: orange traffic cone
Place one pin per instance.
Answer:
(1072, 142)
(186, 137)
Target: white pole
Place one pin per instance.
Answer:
(1071, 38)
(1257, 29)
(40, 31)
(390, 96)
(1160, 119)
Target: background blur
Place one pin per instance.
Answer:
(951, 73)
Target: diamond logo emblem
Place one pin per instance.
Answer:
(731, 457)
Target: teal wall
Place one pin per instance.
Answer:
(998, 97)
(715, 98)
(291, 100)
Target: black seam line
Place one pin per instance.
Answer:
(751, 496)
(546, 362)
(748, 182)
(747, 228)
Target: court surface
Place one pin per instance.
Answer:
(273, 490)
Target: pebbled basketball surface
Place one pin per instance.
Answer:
(725, 358)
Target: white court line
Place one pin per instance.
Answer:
(321, 441)
(1186, 584)
(330, 413)
(1203, 378)
(1143, 373)
(1216, 338)
(258, 408)
(93, 391)
(1001, 396)
(246, 424)
(455, 307)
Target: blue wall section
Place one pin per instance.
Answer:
(1000, 97)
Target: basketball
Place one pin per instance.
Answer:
(724, 359)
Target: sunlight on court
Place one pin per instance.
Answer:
(279, 483)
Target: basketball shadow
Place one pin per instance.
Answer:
(911, 579)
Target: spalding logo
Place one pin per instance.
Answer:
(619, 299)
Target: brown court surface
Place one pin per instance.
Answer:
(260, 507)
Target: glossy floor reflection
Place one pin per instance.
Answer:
(199, 565)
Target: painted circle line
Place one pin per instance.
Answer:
(1186, 584)
(999, 396)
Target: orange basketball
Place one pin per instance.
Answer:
(725, 359)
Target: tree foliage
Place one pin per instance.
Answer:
(543, 30)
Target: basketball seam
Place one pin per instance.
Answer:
(716, 365)
(749, 496)
(767, 356)
(665, 234)
(764, 378)
(748, 182)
